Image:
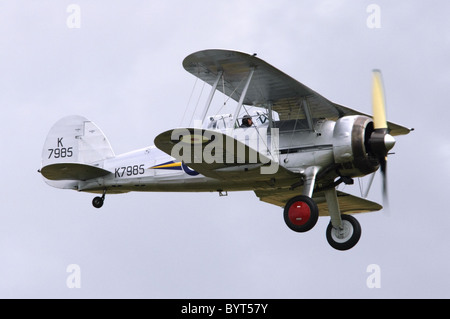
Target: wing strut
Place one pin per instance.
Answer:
(308, 114)
(269, 108)
(333, 207)
(244, 93)
(211, 95)
(310, 175)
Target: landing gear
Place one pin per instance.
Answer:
(301, 213)
(346, 236)
(97, 202)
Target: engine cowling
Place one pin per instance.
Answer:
(351, 146)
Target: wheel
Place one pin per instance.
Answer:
(97, 202)
(347, 237)
(301, 213)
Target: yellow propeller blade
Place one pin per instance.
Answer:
(378, 102)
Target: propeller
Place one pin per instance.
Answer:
(381, 142)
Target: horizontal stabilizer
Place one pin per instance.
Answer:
(72, 171)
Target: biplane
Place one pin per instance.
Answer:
(282, 140)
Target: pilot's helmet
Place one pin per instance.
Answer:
(246, 118)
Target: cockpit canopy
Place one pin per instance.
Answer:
(260, 117)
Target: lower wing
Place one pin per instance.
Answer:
(348, 204)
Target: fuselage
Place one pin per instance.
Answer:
(290, 143)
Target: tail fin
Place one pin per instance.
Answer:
(74, 149)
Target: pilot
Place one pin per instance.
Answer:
(246, 121)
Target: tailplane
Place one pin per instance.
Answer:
(75, 149)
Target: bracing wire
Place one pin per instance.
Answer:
(227, 96)
(293, 131)
(189, 101)
(196, 105)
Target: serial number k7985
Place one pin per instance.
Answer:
(129, 170)
(60, 152)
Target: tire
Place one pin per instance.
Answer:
(301, 213)
(352, 233)
(97, 202)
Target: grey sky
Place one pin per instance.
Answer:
(122, 69)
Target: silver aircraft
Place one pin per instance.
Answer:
(284, 141)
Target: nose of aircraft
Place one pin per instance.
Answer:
(389, 142)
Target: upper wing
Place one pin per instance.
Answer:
(219, 156)
(268, 85)
(348, 204)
